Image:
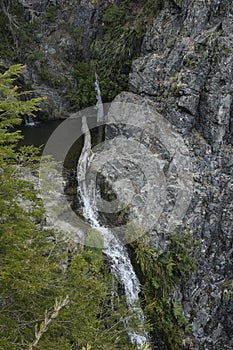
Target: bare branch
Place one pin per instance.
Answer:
(11, 19)
(59, 304)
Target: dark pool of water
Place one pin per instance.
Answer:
(42, 132)
(39, 134)
(64, 138)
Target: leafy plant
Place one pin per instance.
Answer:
(161, 274)
(84, 94)
(36, 55)
(51, 13)
(117, 50)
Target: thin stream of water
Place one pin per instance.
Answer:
(113, 248)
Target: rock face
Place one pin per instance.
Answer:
(164, 192)
(186, 66)
(186, 69)
(148, 165)
(208, 298)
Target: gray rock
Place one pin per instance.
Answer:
(186, 66)
(207, 299)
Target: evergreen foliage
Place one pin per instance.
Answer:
(52, 295)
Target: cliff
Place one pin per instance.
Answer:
(185, 67)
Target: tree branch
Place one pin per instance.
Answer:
(59, 304)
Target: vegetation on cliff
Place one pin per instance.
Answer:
(163, 273)
(114, 39)
(112, 51)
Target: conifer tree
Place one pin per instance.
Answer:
(48, 300)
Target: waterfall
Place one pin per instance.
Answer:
(99, 104)
(29, 121)
(113, 248)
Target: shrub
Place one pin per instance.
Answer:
(161, 274)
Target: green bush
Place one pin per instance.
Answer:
(51, 13)
(36, 55)
(114, 16)
(117, 49)
(161, 274)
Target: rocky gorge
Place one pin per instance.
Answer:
(184, 73)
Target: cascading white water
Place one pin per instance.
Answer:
(29, 121)
(113, 248)
(99, 104)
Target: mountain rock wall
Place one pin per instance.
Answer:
(153, 161)
(186, 66)
(186, 69)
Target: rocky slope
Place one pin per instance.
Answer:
(190, 187)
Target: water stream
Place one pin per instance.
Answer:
(29, 121)
(120, 262)
(99, 104)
